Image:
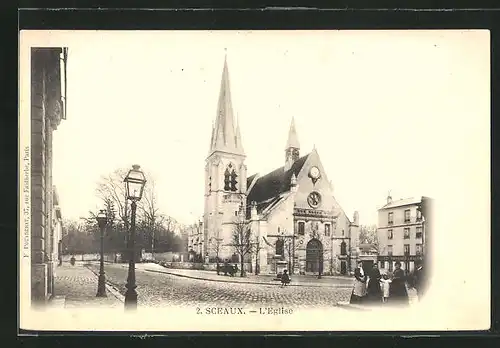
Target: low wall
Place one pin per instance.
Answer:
(199, 266)
(109, 257)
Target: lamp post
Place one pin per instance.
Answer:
(134, 183)
(102, 220)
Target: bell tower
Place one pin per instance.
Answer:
(225, 175)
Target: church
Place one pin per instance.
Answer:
(294, 219)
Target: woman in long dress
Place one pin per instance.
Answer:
(373, 289)
(359, 289)
(397, 291)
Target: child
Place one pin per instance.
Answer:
(385, 282)
(285, 279)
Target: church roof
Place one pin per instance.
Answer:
(269, 188)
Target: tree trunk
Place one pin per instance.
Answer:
(242, 272)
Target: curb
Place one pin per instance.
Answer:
(111, 288)
(352, 306)
(243, 282)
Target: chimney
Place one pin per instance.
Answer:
(389, 199)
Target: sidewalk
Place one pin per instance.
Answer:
(297, 280)
(76, 287)
(412, 296)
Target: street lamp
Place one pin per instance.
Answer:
(134, 183)
(102, 220)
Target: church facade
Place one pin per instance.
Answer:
(294, 219)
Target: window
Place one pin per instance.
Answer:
(236, 213)
(327, 230)
(418, 234)
(390, 220)
(389, 250)
(343, 232)
(407, 215)
(419, 215)
(343, 249)
(407, 249)
(278, 229)
(301, 226)
(389, 234)
(382, 264)
(279, 246)
(230, 179)
(418, 249)
(406, 234)
(227, 186)
(233, 181)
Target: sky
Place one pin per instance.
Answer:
(385, 110)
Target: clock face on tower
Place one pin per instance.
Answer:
(314, 172)
(314, 199)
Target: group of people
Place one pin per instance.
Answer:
(372, 287)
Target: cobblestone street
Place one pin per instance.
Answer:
(159, 289)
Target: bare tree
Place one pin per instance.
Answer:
(291, 248)
(149, 210)
(215, 246)
(257, 248)
(368, 234)
(111, 187)
(241, 241)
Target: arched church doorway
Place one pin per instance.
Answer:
(314, 256)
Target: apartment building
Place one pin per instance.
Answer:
(400, 234)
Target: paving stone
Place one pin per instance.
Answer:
(78, 285)
(159, 289)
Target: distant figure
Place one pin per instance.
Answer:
(374, 293)
(359, 289)
(285, 278)
(386, 282)
(397, 292)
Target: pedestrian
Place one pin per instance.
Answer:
(418, 281)
(359, 288)
(285, 278)
(374, 293)
(386, 282)
(397, 292)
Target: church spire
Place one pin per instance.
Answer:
(292, 147)
(226, 137)
(293, 140)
